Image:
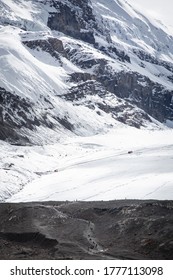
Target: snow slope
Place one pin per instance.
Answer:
(161, 10)
(132, 31)
(101, 168)
(39, 78)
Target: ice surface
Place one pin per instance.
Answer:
(123, 164)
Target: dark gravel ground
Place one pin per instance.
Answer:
(120, 229)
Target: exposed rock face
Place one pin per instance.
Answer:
(13, 129)
(73, 19)
(53, 46)
(152, 97)
(10, 106)
(87, 230)
(113, 52)
(149, 58)
(139, 90)
(94, 95)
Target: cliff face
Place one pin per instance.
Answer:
(74, 19)
(152, 97)
(61, 60)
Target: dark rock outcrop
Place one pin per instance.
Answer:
(19, 115)
(149, 58)
(53, 46)
(73, 20)
(120, 109)
(152, 97)
(11, 105)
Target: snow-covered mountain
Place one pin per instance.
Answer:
(85, 68)
(81, 67)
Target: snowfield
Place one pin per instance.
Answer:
(126, 163)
